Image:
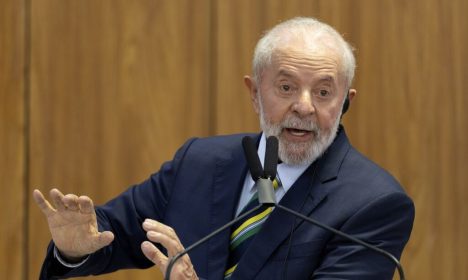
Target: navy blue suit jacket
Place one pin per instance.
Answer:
(199, 189)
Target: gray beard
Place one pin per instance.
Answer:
(304, 152)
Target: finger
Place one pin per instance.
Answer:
(71, 202)
(172, 246)
(153, 254)
(57, 199)
(152, 225)
(86, 205)
(43, 204)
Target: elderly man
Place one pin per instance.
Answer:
(300, 88)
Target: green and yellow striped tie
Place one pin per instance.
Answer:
(245, 229)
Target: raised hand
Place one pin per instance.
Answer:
(166, 236)
(73, 224)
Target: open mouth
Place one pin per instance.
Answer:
(298, 132)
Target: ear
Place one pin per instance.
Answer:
(351, 93)
(253, 90)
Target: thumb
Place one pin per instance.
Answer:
(104, 239)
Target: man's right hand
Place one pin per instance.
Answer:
(73, 224)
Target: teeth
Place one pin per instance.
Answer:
(296, 132)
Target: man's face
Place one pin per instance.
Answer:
(299, 100)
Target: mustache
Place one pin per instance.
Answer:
(295, 122)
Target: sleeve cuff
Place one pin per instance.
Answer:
(58, 257)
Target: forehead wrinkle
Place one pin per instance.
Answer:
(324, 78)
(311, 61)
(315, 63)
(320, 66)
(320, 74)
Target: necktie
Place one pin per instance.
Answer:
(245, 230)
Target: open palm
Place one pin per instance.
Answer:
(72, 224)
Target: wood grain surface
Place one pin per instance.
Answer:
(13, 217)
(116, 88)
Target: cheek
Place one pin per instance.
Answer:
(275, 112)
(326, 118)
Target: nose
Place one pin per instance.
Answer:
(304, 105)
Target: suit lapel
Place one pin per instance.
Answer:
(227, 185)
(303, 197)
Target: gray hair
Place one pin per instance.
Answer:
(314, 33)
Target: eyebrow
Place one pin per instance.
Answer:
(327, 78)
(286, 73)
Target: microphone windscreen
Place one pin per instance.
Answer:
(253, 162)
(271, 157)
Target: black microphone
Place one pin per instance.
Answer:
(263, 177)
(265, 193)
(271, 158)
(253, 162)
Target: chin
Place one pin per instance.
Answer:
(297, 153)
(300, 152)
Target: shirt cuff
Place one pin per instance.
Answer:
(65, 263)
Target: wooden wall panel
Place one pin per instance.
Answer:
(12, 137)
(409, 115)
(117, 87)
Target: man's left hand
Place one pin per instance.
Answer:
(166, 236)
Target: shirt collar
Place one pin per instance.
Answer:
(287, 173)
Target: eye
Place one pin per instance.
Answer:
(324, 93)
(285, 88)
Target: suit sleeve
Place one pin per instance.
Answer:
(124, 216)
(386, 223)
